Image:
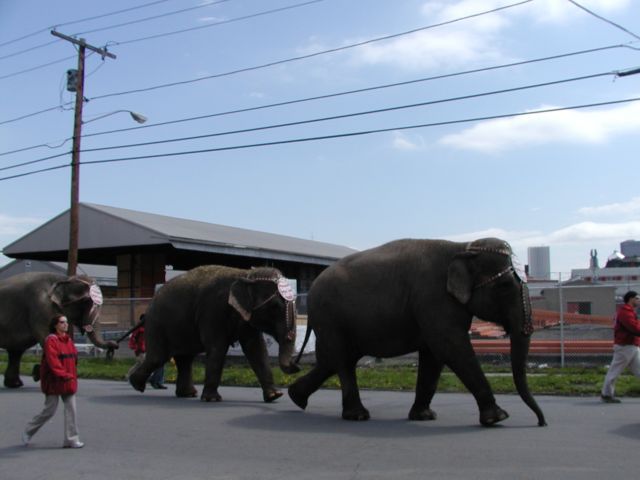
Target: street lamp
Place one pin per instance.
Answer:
(138, 117)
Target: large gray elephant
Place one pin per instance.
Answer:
(29, 300)
(208, 309)
(418, 295)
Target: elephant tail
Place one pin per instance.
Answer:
(307, 335)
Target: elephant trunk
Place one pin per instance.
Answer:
(93, 336)
(288, 342)
(519, 352)
(99, 342)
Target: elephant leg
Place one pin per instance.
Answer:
(429, 370)
(184, 381)
(138, 378)
(305, 386)
(352, 408)
(12, 373)
(213, 373)
(463, 361)
(255, 350)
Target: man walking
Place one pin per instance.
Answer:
(625, 349)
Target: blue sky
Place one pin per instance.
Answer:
(566, 179)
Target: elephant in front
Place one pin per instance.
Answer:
(418, 295)
(209, 308)
(29, 300)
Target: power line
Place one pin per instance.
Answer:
(221, 22)
(279, 62)
(355, 114)
(311, 55)
(86, 19)
(337, 94)
(604, 19)
(329, 137)
(132, 22)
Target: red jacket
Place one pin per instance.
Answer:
(58, 372)
(136, 341)
(627, 327)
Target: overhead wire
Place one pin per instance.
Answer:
(357, 114)
(606, 20)
(155, 17)
(293, 59)
(338, 94)
(327, 137)
(86, 19)
(314, 54)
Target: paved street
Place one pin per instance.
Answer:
(157, 436)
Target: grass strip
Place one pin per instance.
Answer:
(569, 381)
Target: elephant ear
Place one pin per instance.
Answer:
(459, 278)
(240, 298)
(69, 291)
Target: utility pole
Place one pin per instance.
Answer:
(72, 258)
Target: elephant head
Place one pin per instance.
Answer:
(489, 282)
(265, 299)
(79, 299)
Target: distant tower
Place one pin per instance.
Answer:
(539, 263)
(593, 262)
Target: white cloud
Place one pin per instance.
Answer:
(632, 207)
(475, 40)
(569, 126)
(17, 225)
(402, 142)
(570, 245)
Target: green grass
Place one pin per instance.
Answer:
(570, 381)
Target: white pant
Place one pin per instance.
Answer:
(71, 434)
(623, 356)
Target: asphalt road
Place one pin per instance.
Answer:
(157, 436)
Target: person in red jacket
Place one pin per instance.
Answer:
(58, 379)
(137, 344)
(626, 339)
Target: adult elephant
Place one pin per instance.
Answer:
(209, 308)
(418, 295)
(28, 301)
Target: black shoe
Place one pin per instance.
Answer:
(158, 386)
(609, 399)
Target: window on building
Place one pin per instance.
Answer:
(579, 307)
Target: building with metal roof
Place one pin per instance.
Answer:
(144, 245)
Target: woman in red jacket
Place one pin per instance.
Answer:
(58, 379)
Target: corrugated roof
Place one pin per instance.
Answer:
(103, 227)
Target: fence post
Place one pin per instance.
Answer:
(561, 310)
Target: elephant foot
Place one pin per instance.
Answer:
(357, 414)
(271, 395)
(191, 392)
(137, 384)
(13, 382)
(492, 416)
(297, 397)
(35, 372)
(422, 414)
(210, 397)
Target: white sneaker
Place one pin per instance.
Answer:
(73, 445)
(26, 438)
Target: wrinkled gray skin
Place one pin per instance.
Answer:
(205, 311)
(417, 295)
(28, 301)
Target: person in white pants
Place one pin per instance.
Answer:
(58, 379)
(626, 351)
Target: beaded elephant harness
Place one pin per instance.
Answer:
(514, 268)
(288, 295)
